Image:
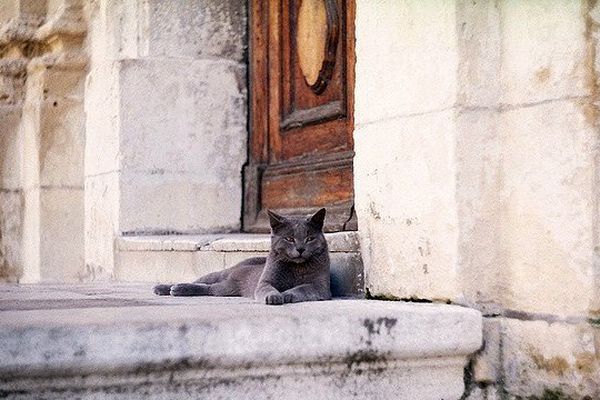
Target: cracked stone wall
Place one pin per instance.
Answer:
(476, 178)
(166, 121)
(42, 67)
(117, 117)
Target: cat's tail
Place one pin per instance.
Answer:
(162, 290)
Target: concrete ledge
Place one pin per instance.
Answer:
(338, 242)
(55, 336)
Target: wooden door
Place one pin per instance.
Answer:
(301, 111)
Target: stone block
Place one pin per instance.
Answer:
(165, 242)
(62, 131)
(10, 149)
(30, 245)
(543, 358)
(240, 242)
(202, 29)
(64, 84)
(102, 123)
(186, 116)
(548, 210)
(159, 347)
(544, 50)
(101, 225)
(479, 209)
(11, 230)
(186, 146)
(406, 58)
(178, 203)
(405, 200)
(343, 241)
(487, 363)
(480, 49)
(156, 266)
(9, 9)
(206, 262)
(61, 233)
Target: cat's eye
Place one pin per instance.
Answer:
(289, 239)
(309, 239)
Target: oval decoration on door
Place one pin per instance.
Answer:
(317, 39)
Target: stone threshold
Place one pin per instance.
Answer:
(339, 242)
(121, 342)
(183, 258)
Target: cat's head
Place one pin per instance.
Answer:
(297, 239)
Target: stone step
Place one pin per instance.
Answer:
(120, 342)
(183, 258)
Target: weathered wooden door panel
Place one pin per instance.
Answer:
(301, 82)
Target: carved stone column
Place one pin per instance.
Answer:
(43, 68)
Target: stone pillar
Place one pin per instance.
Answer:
(405, 133)
(477, 183)
(52, 130)
(19, 20)
(166, 121)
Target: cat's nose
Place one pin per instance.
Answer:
(300, 250)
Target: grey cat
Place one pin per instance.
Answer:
(296, 269)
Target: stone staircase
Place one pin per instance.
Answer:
(183, 258)
(118, 341)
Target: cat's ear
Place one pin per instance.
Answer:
(318, 218)
(275, 220)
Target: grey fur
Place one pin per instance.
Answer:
(296, 269)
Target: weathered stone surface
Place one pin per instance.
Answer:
(197, 29)
(487, 363)
(484, 393)
(566, 364)
(544, 50)
(408, 226)
(393, 40)
(101, 218)
(172, 161)
(166, 242)
(62, 131)
(479, 205)
(11, 229)
(166, 121)
(200, 116)
(10, 148)
(548, 206)
(61, 234)
(64, 338)
(479, 53)
(158, 267)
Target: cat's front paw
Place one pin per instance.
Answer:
(274, 299)
(189, 289)
(162, 290)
